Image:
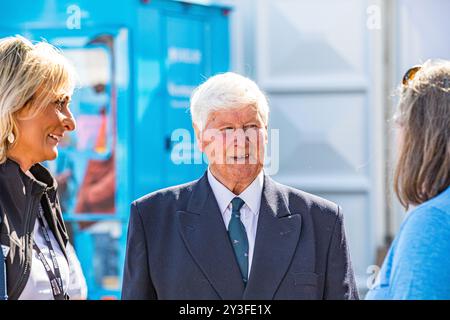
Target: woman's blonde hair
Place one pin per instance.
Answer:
(31, 76)
(423, 167)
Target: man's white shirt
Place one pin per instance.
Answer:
(249, 211)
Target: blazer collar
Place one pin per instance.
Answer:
(277, 238)
(206, 239)
(251, 195)
(202, 229)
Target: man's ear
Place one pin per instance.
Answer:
(198, 136)
(266, 135)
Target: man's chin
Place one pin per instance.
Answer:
(243, 171)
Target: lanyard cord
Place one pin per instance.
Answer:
(54, 277)
(3, 286)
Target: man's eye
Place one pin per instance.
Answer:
(251, 128)
(227, 129)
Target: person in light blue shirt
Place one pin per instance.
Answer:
(417, 266)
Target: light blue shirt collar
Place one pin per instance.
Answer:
(251, 195)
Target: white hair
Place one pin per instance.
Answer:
(226, 91)
(30, 76)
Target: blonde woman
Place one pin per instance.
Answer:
(417, 265)
(36, 84)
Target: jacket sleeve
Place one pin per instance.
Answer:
(339, 279)
(137, 283)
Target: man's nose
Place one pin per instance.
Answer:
(239, 139)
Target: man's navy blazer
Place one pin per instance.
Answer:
(178, 248)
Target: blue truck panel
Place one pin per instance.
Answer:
(138, 62)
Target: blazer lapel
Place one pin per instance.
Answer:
(204, 233)
(277, 237)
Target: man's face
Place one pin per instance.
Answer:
(234, 142)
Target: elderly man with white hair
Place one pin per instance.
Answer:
(235, 233)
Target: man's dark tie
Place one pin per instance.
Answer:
(238, 237)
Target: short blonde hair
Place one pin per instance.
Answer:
(423, 167)
(31, 75)
(226, 91)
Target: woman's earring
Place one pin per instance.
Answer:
(11, 138)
